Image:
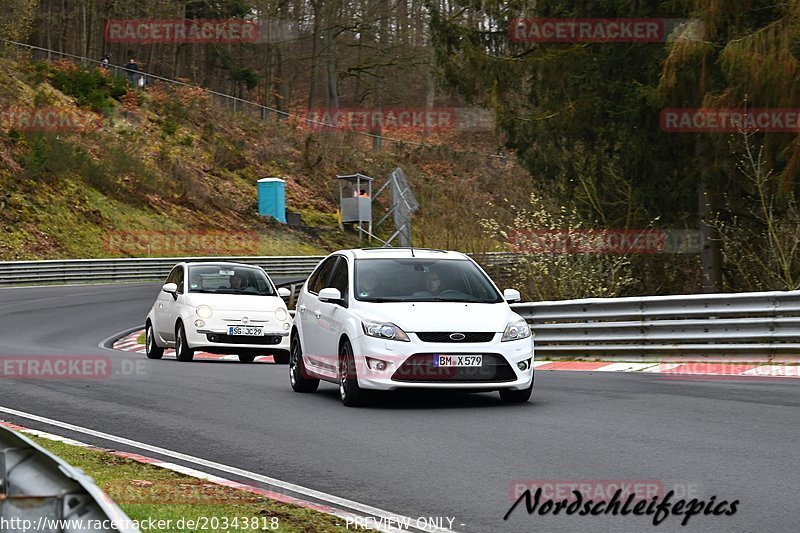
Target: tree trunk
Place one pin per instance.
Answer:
(708, 208)
(312, 89)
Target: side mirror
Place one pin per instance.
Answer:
(511, 295)
(171, 288)
(283, 292)
(331, 295)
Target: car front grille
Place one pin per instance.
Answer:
(419, 369)
(444, 336)
(261, 340)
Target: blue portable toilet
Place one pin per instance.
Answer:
(272, 198)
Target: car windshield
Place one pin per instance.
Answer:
(422, 280)
(229, 279)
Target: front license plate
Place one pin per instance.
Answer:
(250, 331)
(457, 360)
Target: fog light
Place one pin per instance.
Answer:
(199, 323)
(524, 365)
(376, 364)
(286, 326)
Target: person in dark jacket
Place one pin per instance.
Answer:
(132, 68)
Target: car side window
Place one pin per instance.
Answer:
(179, 279)
(312, 279)
(339, 277)
(173, 275)
(320, 278)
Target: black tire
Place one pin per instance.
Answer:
(246, 358)
(298, 376)
(182, 350)
(281, 358)
(152, 349)
(516, 396)
(351, 394)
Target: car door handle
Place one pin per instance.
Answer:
(317, 313)
(301, 308)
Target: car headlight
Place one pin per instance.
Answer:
(384, 330)
(516, 330)
(204, 311)
(281, 314)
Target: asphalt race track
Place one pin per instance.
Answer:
(428, 455)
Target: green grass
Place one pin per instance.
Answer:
(144, 491)
(141, 339)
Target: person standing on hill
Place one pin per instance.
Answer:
(132, 68)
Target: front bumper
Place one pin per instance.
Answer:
(409, 364)
(213, 335)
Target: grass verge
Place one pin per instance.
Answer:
(147, 492)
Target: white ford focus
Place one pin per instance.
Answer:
(219, 308)
(392, 318)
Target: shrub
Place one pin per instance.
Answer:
(91, 88)
(560, 276)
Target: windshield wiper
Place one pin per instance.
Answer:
(251, 293)
(236, 291)
(436, 299)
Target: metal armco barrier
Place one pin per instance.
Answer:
(156, 269)
(759, 323)
(40, 492)
(115, 270)
(756, 323)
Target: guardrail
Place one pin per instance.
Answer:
(115, 270)
(40, 491)
(156, 269)
(740, 324)
(757, 323)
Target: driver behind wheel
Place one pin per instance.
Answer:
(433, 283)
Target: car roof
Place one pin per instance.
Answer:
(402, 253)
(220, 263)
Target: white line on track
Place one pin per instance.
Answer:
(305, 491)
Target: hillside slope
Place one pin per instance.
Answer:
(170, 162)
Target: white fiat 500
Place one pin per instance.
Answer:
(392, 318)
(219, 308)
